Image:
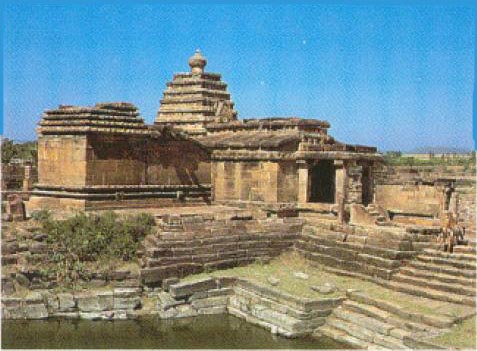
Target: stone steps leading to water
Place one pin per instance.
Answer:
(441, 269)
(443, 277)
(439, 275)
(354, 250)
(467, 265)
(435, 284)
(368, 323)
(468, 249)
(466, 257)
(430, 293)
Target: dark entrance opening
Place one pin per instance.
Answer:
(323, 182)
(367, 186)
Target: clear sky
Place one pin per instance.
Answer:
(397, 77)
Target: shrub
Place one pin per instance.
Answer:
(41, 215)
(87, 238)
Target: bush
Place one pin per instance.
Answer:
(87, 238)
(41, 215)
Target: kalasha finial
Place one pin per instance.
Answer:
(197, 62)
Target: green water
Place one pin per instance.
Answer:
(215, 332)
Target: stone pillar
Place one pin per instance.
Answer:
(340, 188)
(304, 184)
(27, 182)
(355, 188)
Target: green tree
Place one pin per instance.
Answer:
(8, 150)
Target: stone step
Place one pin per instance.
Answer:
(468, 273)
(433, 322)
(342, 337)
(429, 293)
(351, 265)
(468, 249)
(363, 335)
(371, 324)
(419, 246)
(446, 261)
(379, 261)
(446, 278)
(457, 289)
(465, 257)
(406, 325)
(356, 246)
(348, 254)
(361, 331)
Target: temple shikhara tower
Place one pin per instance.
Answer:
(197, 151)
(194, 99)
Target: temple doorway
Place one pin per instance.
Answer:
(366, 181)
(322, 182)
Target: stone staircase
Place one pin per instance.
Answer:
(440, 275)
(355, 249)
(188, 244)
(368, 323)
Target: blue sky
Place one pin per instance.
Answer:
(397, 77)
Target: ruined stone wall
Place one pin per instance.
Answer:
(410, 198)
(13, 175)
(420, 190)
(193, 244)
(62, 160)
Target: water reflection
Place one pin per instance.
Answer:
(215, 332)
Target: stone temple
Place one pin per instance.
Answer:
(197, 151)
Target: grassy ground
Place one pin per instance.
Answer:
(284, 267)
(462, 335)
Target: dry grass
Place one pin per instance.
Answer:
(462, 336)
(284, 267)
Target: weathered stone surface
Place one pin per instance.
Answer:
(33, 298)
(326, 288)
(210, 302)
(94, 316)
(185, 289)
(15, 208)
(127, 303)
(220, 292)
(95, 303)
(119, 274)
(166, 283)
(198, 295)
(165, 301)
(184, 311)
(52, 303)
(301, 275)
(8, 287)
(66, 315)
(273, 281)
(66, 302)
(127, 292)
(36, 311)
(213, 310)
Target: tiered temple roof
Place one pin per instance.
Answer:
(278, 138)
(118, 118)
(194, 99)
